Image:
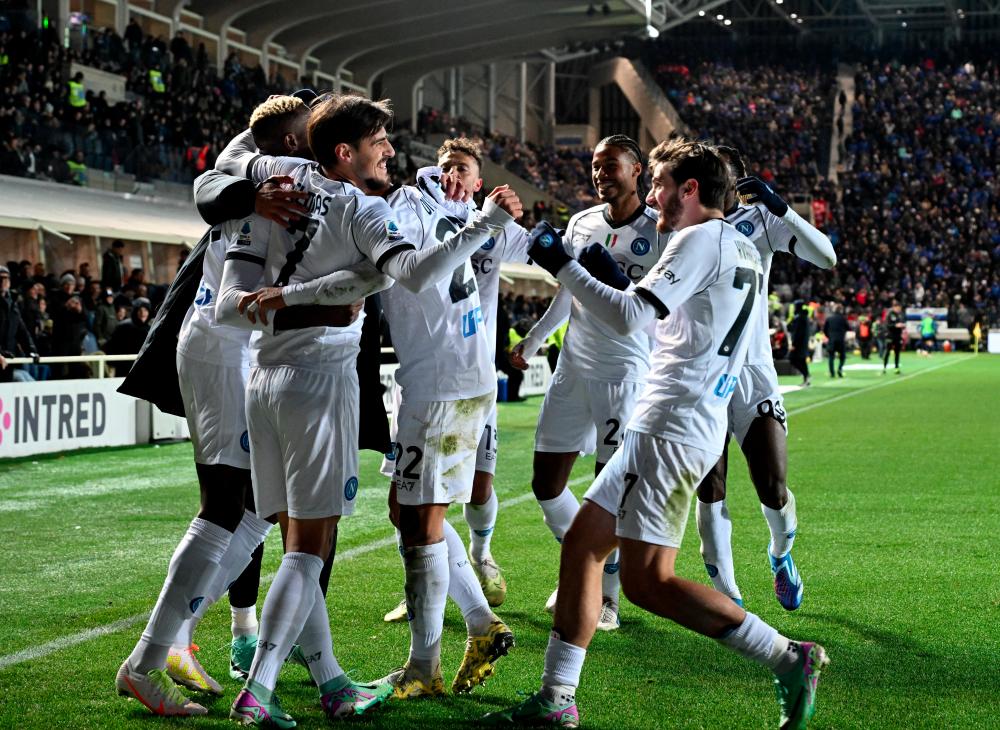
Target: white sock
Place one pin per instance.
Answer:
(250, 533)
(482, 519)
(285, 610)
(716, 530)
(317, 644)
(611, 578)
(563, 664)
(463, 586)
(192, 568)
(559, 512)
(755, 640)
(244, 621)
(782, 524)
(426, 593)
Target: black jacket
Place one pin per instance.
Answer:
(13, 331)
(112, 271)
(835, 327)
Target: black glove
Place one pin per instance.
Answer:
(547, 249)
(601, 265)
(758, 191)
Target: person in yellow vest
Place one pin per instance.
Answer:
(78, 169)
(156, 81)
(77, 92)
(555, 343)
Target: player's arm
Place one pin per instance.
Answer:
(551, 320)
(793, 233)
(221, 197)
(242, 158)
(419, 270)
(242, 275)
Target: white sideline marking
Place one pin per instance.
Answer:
(64, 642)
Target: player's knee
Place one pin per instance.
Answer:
(637, 587)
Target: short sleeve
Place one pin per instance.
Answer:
(376, 231)
(688, 265)
(248, 239)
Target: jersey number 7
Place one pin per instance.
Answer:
(744, 276)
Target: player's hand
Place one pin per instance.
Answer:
(547, 249)
(281, 206)
(350, 312)
(601, 265)
(507, 199)
(754, 190)
(454, 188)
(3, 363)
(257, 304)
(517, 358)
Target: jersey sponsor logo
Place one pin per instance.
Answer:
(640, 247)
(482, 266)
(204, 296)
(351, 488)
(667, 275)
(745, 227)
(471, 321)
(243, 239)
(725, 386)
(195, 603)
(392, 231)
(245, 441)
(635, 272)
(489, 244)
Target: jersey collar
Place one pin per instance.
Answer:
(628, 221)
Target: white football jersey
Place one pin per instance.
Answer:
(510, 245)
(770, 235)
(591, 347)
(345, 227)
(707, 290)
(439, 334)
(200, 336)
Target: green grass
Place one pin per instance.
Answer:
(896, 483)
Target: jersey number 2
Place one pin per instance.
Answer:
(744, 276)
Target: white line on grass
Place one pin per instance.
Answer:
(64, 642)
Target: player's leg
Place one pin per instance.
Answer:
(897, 347)
(842, 354)
(481, 515)
(886, 349)
(716, 529)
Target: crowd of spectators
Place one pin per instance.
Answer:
(78, 312)
(180, 110)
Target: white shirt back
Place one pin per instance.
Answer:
(709, 280)
(439, 334)
(770, 235)
(591, 348)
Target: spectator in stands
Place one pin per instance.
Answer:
(15, 339)
(69, 328)
(835, 329)
(136, 283)
(78, 169)
(113, 267)
(129, 335)
(105, 318)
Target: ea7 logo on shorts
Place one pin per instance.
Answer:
(774, 409)
(392, 231)
(244, 238)
(351, 489)
(745, 227)
(245, 441)
(640, 247)
(725, 386)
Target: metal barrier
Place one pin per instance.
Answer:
(99, 358)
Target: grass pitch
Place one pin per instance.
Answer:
(896, 483)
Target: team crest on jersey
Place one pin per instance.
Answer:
(392, 231)
(640, 247)
(244, 238)
(204, 296)
(489, 244)
(745, 227)
(351, 488)
(245, 441)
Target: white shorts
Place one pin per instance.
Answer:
(303, 440)
(756, 395)
(486, 454)
(648, 485)
(579, 414)
(214, 397)
(434, 449)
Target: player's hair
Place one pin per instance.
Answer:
(269, 121)
(344, 119)
(735, 159)
(464, 145)
(687, 160)
(623, 142)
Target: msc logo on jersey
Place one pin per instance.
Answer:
(244, 238)
(471, 321)
(489, 244)
(204, 296)
(245, 441)
(745, 227)
(640, 247)
(392, 231)
(351, 488)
